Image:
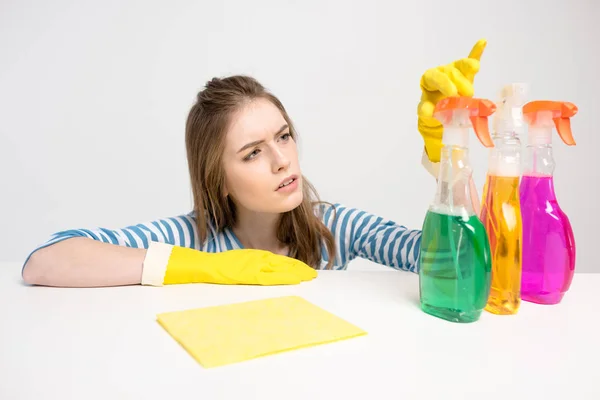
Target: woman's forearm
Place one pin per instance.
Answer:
(84, 262)
(474, 196)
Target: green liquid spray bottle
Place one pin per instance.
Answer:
(455, 259)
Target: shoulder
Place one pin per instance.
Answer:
(339, 215)
(327, 211)
(215, 239)
(325, 207)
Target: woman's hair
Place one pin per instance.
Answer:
(300, 229)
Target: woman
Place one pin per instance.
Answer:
(256, 218)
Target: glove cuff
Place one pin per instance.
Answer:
(430, 166)
(155, 263)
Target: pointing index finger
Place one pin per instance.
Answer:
(477, 50)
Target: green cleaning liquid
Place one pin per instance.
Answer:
(455, 267)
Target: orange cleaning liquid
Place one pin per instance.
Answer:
(501, 216)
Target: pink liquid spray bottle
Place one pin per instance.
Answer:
(548, 242)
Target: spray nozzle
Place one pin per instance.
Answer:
(508, 118)
(542, 115)
(459, 113)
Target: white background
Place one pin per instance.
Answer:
(94, 96)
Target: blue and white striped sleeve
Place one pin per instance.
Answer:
(177, 231)
(361, 234)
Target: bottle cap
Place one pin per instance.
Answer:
(544, 114)
(450, 110)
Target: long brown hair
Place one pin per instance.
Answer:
(300, 229)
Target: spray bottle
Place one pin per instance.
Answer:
(548, 241)
(455, 263)
(501, 210)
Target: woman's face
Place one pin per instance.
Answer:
(262, 172)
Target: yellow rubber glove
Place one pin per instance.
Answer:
(166, 265)
(443, 81)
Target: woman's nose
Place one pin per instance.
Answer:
(280, 161)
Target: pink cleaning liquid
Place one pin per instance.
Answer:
(548, 243)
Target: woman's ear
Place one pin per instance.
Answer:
(225, 191)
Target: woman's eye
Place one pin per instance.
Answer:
(252, 155)
(286, 136)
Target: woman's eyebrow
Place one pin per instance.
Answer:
(257, 142)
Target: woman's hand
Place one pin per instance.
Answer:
(167, 264)
(443, 81)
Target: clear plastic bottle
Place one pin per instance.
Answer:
(501, 210)
(455, 264)
(548, 240)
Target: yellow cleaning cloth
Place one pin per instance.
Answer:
(231, 333)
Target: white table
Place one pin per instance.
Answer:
(105, 344)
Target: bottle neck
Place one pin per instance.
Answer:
(505, 157)
(453, 194)
(539, 161)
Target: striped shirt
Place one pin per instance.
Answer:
(356, 233)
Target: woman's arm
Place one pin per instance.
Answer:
(361, 234)
(103, 257)
(84, 262)
(474, 197)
